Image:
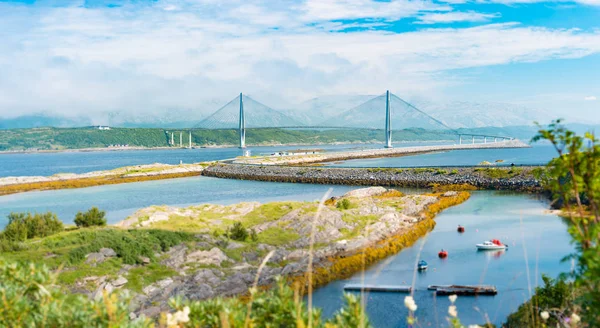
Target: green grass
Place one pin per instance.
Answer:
(359, 222)
(70, 248)
(140, 277)
(269, 212)
(499, 173)
(277, 236)
(108, 268)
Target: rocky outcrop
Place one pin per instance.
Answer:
(213, 265)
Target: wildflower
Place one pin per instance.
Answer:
(452, 311)
(452, 298)
(575, 318)
(545, 315)
(409, 302)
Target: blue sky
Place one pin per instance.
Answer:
(89, 57)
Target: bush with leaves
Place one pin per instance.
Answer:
(23, 226)
(237, 232)
(93, 217)
(343, 204)
(573, 179)
(556, 296)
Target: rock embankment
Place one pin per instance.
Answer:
(493, 178)
(372, 153)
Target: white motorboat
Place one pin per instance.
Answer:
(491, 245)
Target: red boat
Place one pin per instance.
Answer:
(443, 254)
(460, 228)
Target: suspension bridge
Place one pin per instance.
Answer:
(386, 112)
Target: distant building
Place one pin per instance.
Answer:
(100, 127)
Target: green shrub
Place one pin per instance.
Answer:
(253, 235)
(23, 226)
(93, 217)
(237, 232)
(130, 245)
(344, 204)
(555, 294)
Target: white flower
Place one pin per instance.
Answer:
(173, 320)
(452, 311)
(409, 302)
(452, 298)
(545, 315)
(474, 326)
(575, 318)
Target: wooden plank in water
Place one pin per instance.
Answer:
(379, 288)
(464, 289)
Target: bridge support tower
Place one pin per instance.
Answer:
(242, 128)
(388, 121)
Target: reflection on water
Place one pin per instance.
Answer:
(487, 215)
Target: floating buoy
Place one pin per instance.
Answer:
(443, 254)
(460, 229)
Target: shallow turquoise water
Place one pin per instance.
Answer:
(516, 219)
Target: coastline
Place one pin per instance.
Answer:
(141, 148)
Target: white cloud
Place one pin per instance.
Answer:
(452, 17)
(78, 60)
(590, 98)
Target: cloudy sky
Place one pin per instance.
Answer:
(141, 56)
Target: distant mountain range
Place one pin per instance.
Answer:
(455, 114)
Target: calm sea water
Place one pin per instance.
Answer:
(537, 155)
(44, 164)
(516, 219)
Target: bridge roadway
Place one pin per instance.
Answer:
(371, 153)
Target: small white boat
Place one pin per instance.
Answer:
(491, 245)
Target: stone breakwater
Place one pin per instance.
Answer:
(372, 153)
(492, 178)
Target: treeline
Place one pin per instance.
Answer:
(77, 138)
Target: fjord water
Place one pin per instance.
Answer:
(537, 242)
(45, 164)
(537, 155)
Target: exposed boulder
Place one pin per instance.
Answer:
(121, 281)
(365, 192)
(214, 256)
